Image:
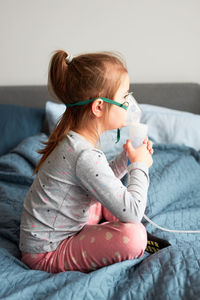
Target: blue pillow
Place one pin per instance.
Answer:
(18, 123)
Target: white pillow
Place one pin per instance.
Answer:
(171, 126)
(164, 126)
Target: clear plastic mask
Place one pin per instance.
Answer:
(134, 112)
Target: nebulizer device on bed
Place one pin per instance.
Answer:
(137, 133)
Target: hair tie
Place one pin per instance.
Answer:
(69, 59)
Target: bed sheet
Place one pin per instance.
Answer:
(173, 202)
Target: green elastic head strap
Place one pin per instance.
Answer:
(104, 99)
(91, 100)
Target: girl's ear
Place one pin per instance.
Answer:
(98, 107)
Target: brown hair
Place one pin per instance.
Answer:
(87, 76)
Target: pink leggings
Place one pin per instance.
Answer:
(95, 246)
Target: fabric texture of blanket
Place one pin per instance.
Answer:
(173, 202)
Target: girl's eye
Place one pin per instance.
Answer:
(126, 96)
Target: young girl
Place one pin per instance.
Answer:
(75, 186)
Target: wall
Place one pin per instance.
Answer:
(159, 39)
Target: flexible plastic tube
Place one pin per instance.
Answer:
(170, 230)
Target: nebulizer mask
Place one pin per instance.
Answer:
(137, 130)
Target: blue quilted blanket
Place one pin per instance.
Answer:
(173, 202)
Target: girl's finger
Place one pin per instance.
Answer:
(129, 146)
(149, 145)
(145, 140)
(151, 151)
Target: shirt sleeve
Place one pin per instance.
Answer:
(96, 176)
(119, 164)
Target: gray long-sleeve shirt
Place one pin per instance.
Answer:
(73, 177)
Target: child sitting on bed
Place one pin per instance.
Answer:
(75, 186)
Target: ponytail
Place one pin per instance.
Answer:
(57, 77)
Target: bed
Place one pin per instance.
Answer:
(172, 112)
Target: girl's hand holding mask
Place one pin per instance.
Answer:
(149, 145)
(141, 154)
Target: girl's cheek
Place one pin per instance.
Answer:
(124, 119)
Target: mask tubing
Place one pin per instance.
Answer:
(170, 230)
